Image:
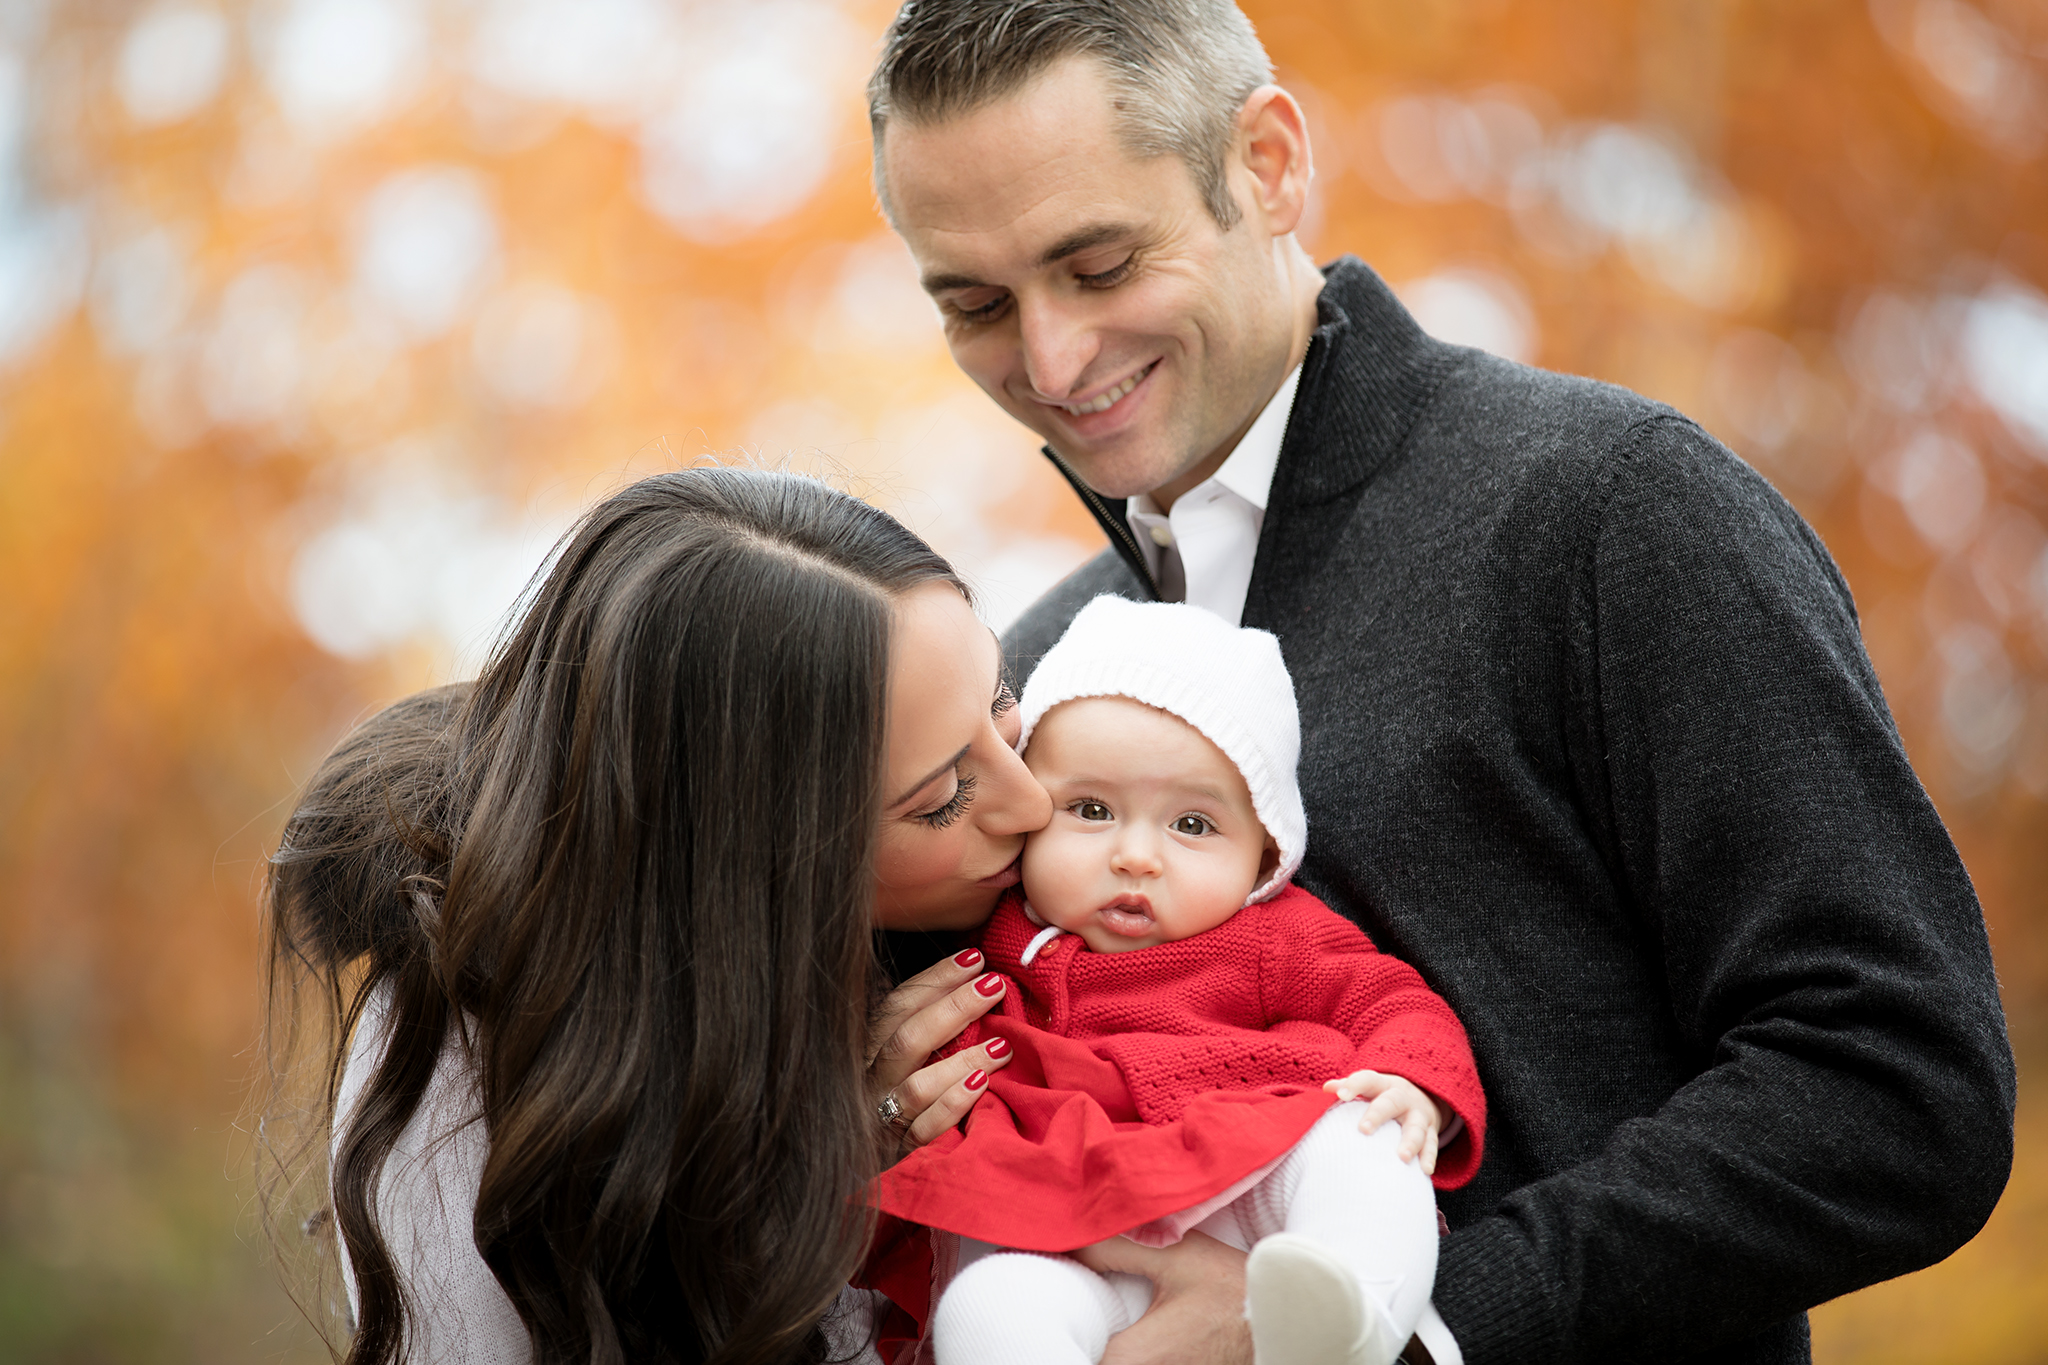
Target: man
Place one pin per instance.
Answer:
(1589, 734)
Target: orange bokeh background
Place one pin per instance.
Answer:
(318, 319)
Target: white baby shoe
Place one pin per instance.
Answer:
(1306, 1308)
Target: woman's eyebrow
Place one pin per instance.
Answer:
(930, 777)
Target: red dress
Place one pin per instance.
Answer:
(1149, 1081)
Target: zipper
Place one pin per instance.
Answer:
(1118, 530)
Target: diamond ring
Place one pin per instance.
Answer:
(891, 1111)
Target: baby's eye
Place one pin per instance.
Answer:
(1194, 826)
(1092, 810)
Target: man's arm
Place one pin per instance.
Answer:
(1824, 952)
(1197, 1312)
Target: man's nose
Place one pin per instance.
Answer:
(1059, 345)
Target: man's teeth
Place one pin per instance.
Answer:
(1102, 402)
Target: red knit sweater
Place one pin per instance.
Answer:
(1146, 1082)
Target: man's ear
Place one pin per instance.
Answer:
(1272, 148)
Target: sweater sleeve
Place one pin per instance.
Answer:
(1822, 949)
(1323, 972)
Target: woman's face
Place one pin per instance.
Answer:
(957, 799)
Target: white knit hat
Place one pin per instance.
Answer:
(1229, 683)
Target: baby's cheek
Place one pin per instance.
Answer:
(1036, 864)
(1217, 891)
(1049, 870)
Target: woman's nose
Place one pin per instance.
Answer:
(1015, 803)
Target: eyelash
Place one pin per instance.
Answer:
(1106, 279)
(1110, 278)
(963, 797)
(988, 312)
(963, 786)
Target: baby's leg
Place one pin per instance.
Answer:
(1022, 1308)
(1345, 1243)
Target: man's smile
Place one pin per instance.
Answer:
(1108, 398)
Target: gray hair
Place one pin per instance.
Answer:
(1181, 70)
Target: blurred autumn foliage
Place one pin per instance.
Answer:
(318, 318)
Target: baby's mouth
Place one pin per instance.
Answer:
(1128, 915)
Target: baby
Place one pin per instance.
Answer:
(1179, 1012)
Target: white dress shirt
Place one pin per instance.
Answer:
(1202, 551)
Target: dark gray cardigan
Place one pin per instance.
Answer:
(1590, 738)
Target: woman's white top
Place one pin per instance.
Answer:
(426, 1209)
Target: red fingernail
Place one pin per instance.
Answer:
(990, 985)
(975, 1080)
(968, 958)
(997, 1047)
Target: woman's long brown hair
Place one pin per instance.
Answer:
(661, 801)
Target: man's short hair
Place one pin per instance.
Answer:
(1180, 69)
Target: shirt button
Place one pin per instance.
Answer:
(1162, 536)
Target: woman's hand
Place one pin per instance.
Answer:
(919, 1017)
(1197, 1312)
(1395, 1098)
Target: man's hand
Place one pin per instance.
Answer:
(1394, 1098)
(1197, 1312)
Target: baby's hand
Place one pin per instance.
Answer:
(1394, 1098)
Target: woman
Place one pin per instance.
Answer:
(613, 1056)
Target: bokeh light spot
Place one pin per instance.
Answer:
(1474, 306)
(172, 62)
(426, 243)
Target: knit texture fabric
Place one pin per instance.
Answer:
(1146, 1082)
(1230, 684)
(1589, 737)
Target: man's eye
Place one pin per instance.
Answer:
(976, 307)
(1110, 278)
(1194, 826)
(1092, 810)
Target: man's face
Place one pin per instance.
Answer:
(1088, 291)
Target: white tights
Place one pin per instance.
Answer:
(1347, 1190)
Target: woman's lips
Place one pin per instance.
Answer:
(1008, 877)
(1130, 916)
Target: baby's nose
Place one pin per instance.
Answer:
(1136, 855)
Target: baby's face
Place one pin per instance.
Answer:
(1153, 836)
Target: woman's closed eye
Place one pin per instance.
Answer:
(956, 806)
(1194, 826)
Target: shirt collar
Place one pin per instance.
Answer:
(1248, 470)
